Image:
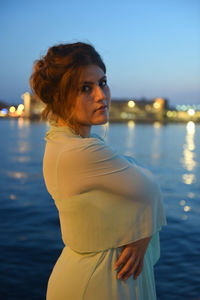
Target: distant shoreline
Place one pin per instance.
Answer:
(139, 121)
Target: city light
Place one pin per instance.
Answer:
(159, 99)
(171, 114)
(191, 112)
(156, 105)
(189, 108)
(131, 103)
(3, 112)
(124, 115)
(12, 109)
(20, 109)
(184, 107)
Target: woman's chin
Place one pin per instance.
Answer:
(101, 121)
(102, 118)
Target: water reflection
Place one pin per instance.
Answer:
(188, 159)
(17, 175)
(21, 136)
(157, 124)
(130, 137)
(23, 129)
(186, 209)
(131, 124)
(12, 197)
(21, 159)
(191, 195)
(182, 202)
(24, 147)
(156, 144)
(22, 122)
(188, 178)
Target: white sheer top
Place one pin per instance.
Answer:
(105, 200)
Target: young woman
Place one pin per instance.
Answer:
(110, 208)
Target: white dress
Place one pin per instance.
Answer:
(104, 201)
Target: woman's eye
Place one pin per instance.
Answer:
(103, 83)
(86, 88)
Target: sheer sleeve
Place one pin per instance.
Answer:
(95, 165)
(104, 199)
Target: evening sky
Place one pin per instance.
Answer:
(151, 48)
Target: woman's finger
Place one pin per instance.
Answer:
(138, 270)
(125, 269)
(132, 269)
(123, 258)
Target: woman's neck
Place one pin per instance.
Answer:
(84, 131)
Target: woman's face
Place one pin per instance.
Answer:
(93, 98)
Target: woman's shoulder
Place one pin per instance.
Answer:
(65, 137)
(96, 136)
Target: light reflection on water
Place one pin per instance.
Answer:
(16, 175)
(188, 178)
(23, 147)
(21, 159)
(130, 137)
(189, 164)
(156, 144)
(191, 195)
(188, 159)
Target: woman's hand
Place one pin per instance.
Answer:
(132, 258)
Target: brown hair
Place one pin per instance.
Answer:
(55, 77)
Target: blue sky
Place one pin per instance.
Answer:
(151, 48)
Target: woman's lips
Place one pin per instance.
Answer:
(102, 108)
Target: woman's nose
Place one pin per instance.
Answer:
(99, 93)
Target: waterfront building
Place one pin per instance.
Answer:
(32, 106)
(138, 110)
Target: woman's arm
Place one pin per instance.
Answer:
(95, 165)
(109, 200)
